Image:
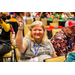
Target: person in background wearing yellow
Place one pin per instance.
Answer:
(5, 42)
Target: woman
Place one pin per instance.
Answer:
(27, 16)
(35, 46)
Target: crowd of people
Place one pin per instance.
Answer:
(36, 46)
(29, 15)
(33, 47)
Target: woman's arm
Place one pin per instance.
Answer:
(54, 54)
(20, 44)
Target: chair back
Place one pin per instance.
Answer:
(72, 15)
(29, 21)
(44, 20)
(54, 24)
(7, 55)
(26, 28)
(37, 18)
(55, 20)
(56, 59)
(54, 31)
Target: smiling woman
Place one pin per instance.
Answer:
(35, 46)
(37, 32)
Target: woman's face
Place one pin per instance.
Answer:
(27, 14)
(37, 32)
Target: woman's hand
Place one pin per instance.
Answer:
(54, 54)
(20, 21)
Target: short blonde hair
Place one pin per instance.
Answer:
(29, 35)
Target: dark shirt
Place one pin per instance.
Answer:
(5, 36)
(8, 17)
(43, 16)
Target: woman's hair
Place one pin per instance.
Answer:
(29, 35)
(28, 14)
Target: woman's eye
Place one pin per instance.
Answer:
(34, 29)
(40, 30)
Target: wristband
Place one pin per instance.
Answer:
(20, 28)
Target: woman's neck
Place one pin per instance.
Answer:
(27, 16)
(38, 41)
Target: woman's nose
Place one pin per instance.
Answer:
(37, 31)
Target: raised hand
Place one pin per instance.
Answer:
(20, 21)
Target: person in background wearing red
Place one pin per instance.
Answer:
(64, 41)
(48, 15)
(37, 14)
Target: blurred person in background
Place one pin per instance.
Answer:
(44, 15)
(11, 13)
(69, 15)
(8, 15)
(38, 14)
(64, 15)
(48, 15)
(27, 16)
(5, 42)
